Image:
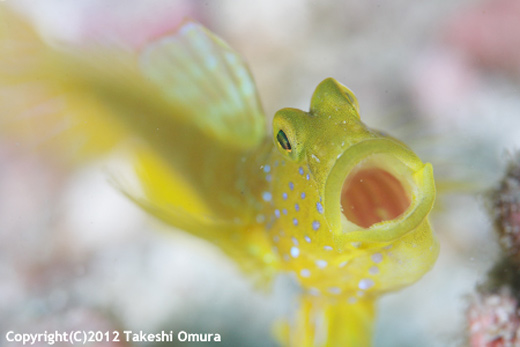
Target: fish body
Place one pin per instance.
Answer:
(345, 210)
(342, 207)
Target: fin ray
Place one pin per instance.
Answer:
(196, 69)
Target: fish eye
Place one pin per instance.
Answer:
(283, 141)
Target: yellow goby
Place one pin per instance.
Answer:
(341, 206)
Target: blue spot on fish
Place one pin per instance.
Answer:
(321, 263)
(319, 207)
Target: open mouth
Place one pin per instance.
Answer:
(371, 195)
(378, 190)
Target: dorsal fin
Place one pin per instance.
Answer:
(196, 69)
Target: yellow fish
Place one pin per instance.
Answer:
(341, 206)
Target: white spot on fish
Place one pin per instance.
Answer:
(277, 213)
(267, 168)
(319, 207)
(308, 239)
(308, 177)
(321, 264)
(343, 264)
(295, 252)
(295, 221)
(291, 186)
(374, 270)
(366, 283)
(315, 158)
(327, 248)
(268, 178)
(300, 170)
(284, 211)
(303, 195)
(377, 258)
(315, 225)
(295, 241)
(296, 207)
(334, 290)
(305, 273)
(267, 196)
(314, 291)
(284, 196)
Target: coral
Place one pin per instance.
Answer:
(493, 320)
(505, 210)
(494, 315)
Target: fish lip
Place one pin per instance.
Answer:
(422, 185)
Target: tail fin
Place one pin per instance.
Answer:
(37, 105)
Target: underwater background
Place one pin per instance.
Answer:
(443, 76)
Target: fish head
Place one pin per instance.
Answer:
(357, 193)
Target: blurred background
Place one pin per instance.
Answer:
(444, 76)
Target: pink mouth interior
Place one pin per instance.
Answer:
(371, 196)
